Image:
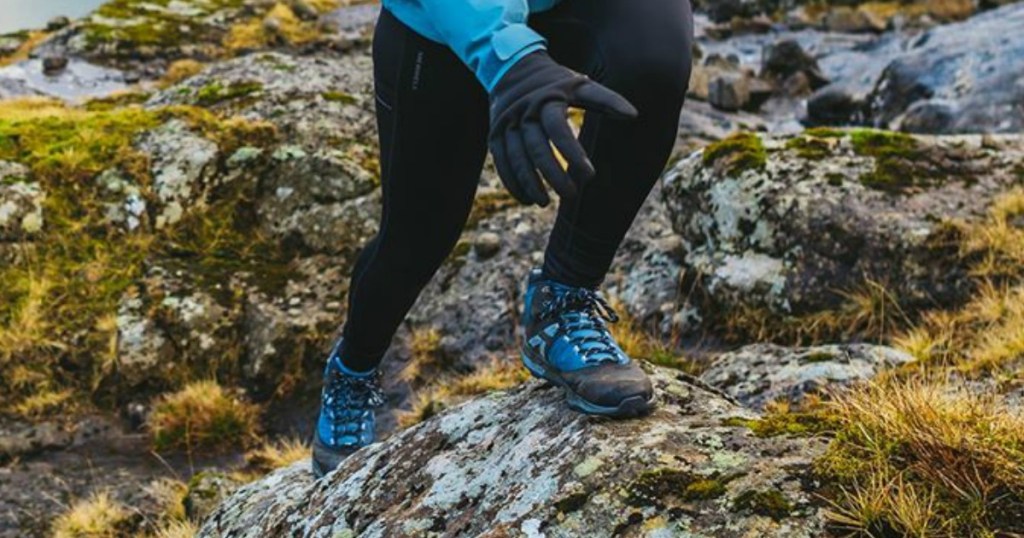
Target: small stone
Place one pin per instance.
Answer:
(729, 91)
(486, 245)
(53, 65)
(834, 105)
(787, 58)
(304, 10)
(57, 23)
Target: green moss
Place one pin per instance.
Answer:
(660, 487)
(736, 154)
(126, 25)
(706, 489)
(663, 356)
(809, 147)
(825, 132)
(801, 423)
(117, 101)
(653, 487)
(339, 97)
(768, 503)
(216, 93)
(900, 162)
(68, 288)
(835, 179)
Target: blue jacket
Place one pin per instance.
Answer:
(488, 35)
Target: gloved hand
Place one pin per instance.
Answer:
(529, 111)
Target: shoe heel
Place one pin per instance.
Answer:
(535, 369)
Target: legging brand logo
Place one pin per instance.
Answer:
(417, 71)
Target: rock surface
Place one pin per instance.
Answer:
(794, 224)
(934, 87)
(520, 463)
(762, 373)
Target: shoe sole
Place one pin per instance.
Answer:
(632, 407)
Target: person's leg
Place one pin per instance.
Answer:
(642, 50)
(432, 116)
(433, 121)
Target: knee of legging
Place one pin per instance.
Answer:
(654, 78)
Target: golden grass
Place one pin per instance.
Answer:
(98, 516)
(424, 345)
(924, 459)
(277, 454)
(203, 415)
(871, 312)
(179, 71)
(170, 495)
(289, 28)
(177, 529)
(446, 392)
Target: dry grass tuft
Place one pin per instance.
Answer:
(280, 26)
(447, 392)
(424, 345)
(277, 454)
(179, 71)
(922, 459)
(177, 529)
(871, 313)
(98, 516)
(203, 415)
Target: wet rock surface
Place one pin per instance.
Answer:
(520, 462)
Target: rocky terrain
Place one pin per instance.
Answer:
(826, 287)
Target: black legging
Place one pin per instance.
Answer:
(432, 115)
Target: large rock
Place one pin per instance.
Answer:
(319, 189)
(795, 224)
(762, 373)
(520, 463)
(961, 78)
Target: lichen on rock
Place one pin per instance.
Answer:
(799, 235)
(520, 460)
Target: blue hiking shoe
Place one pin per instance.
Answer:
(346, 421)
(566, 342)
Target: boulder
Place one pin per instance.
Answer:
(794, 225)
(935, 87)
(835, 104)
(762, 373)
(520, 463)
(786, 60)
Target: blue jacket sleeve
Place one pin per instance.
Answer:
(490, 36)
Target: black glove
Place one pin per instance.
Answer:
(529, 111)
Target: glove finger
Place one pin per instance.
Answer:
(554, 118)
(539, 146)
(598, 98)
(523, 166)
(505, 170)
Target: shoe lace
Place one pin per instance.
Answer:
(350, 399)
(582, 314)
